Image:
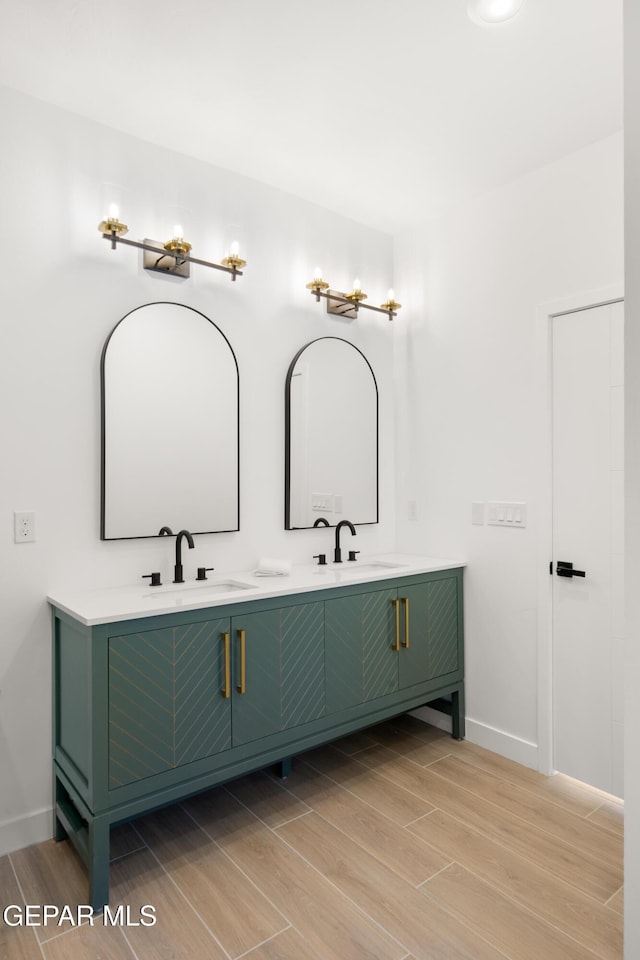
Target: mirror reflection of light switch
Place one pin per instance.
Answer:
(477, 513)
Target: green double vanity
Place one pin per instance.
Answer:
(161, 692)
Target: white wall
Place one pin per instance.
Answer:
(632, 461)
(63, 290)
(469, 403)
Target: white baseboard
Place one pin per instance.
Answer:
(513, 748)
(504, 744)
(23, 831)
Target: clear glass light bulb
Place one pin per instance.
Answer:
(234, 249)
(317, 273)
(356, 283)
(114, 212)
(177, 232)
(390, 294)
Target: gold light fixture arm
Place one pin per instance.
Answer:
(317, 287)
(176, 249)
(112, 229)
(233, 262)
(390, 306)
(348, 304)
(338, 300)
(177, 245)
(356, 296)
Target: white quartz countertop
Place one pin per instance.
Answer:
(132, 601)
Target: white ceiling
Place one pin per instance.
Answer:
(381, 109)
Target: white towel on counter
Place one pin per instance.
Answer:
(272, 567)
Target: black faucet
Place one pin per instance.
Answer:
(177, 575)
(321, 522)
(165, 532)
(337, 553)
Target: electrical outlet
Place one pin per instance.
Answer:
(24, 526)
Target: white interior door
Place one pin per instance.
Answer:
(588, 503)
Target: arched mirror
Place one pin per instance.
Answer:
(331, 426)
(170, 451)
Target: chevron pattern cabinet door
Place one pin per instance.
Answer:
(414, 660)
(284, 671)
(343, 653)
(165, 702)
(379, 659)
(302, 664)
(256, 712)
(359, 662)
(443, 626)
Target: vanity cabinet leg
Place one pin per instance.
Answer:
(457, 714)
(59, 832)
(61, 803)
(284, 768)
(99, 862)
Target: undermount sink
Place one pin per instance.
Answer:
(199, 590)
(371, 566)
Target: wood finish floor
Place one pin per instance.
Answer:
(394, 844)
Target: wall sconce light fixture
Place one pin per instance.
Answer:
(348, 304)
(171, 257)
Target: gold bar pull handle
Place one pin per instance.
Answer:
(396, 645)
(242, 686)
(226, 690)
(405, 642)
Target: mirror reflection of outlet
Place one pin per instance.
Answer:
(412, 511)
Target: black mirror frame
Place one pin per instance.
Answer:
(287, 443)
(103, 423)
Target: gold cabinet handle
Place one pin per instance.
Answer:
(226, 690)
(405, 642)
(396, 645)
(242, 686)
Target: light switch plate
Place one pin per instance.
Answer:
(507, 513)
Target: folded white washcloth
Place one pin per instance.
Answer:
(272, 567)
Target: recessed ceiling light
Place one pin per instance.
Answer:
(493, 11)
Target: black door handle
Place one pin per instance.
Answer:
(566, 570)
